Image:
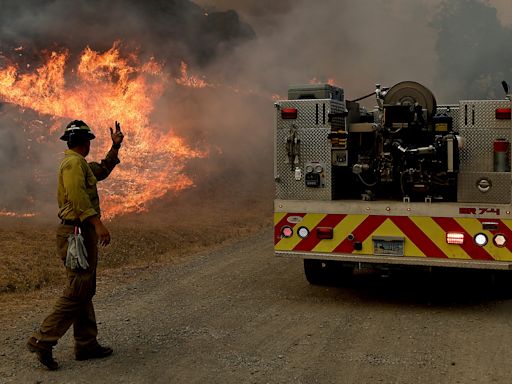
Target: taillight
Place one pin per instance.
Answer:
(455, 238)
(324, 233)
(286, 232)
(480, 239)
(504, 113)
(499, 240)
(289, 113)
(303, 232)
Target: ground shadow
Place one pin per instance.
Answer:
(436, 287)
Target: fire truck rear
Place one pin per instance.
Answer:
(408, 183)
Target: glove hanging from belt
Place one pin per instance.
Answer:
(76, 256)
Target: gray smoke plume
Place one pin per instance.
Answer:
(458, 48)
(171, 29)
(473, 47)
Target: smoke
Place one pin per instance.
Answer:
(172, 29)
(357, 44)
(27, 162)
(473, 49)
(250, 50)
(457, 48)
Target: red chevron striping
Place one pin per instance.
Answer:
(282, 223)
(503, 229)
(312, 240)
(474, 251)
(418, 237)
(363, 230)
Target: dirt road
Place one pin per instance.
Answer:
(239, 315)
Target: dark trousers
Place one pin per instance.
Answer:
(75, 306)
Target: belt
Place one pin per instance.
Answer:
(70, 222)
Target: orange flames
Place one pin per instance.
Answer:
(101, 88)
(190, 80)
(329, 81)
(4, 213)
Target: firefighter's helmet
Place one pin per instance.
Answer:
(79, 128)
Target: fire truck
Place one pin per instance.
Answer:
(408, 183)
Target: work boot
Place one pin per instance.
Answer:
(97, 352)
(44, 354)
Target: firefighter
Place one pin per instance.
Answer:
(79, 210)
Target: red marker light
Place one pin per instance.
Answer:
(504, 113)
(286, 232)
(324, 233)
(289, 113)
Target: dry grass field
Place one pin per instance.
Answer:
(172, 229)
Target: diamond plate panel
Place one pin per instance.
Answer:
(314, 147)
(313, 128)
(311, 114)
(477, 153)
(481, 114)
(479, 128)
(499, 192)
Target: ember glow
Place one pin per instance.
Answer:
(329, 81)
(190, 80)
(4, 213)
(101, 88)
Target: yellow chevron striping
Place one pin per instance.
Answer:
(341, 231)
(278, 216)
(508, 223)
(426, 224)
(474, 226)
(388, 228)
(438, 236)
(310, 221)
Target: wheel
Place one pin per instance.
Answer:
(315, 271)
(322, 272)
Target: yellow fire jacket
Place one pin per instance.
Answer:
(77, 193)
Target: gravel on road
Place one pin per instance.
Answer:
(237, 314)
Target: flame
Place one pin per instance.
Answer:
(190, 80)
(329, 81)
(101, 88)
(4, 213)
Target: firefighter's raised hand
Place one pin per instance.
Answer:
(117, 136)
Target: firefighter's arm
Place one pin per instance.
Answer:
(73, 179)
(103, 169)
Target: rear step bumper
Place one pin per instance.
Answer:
(401, 260)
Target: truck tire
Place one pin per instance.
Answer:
(322, 272)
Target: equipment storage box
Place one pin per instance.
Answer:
(315, 91)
